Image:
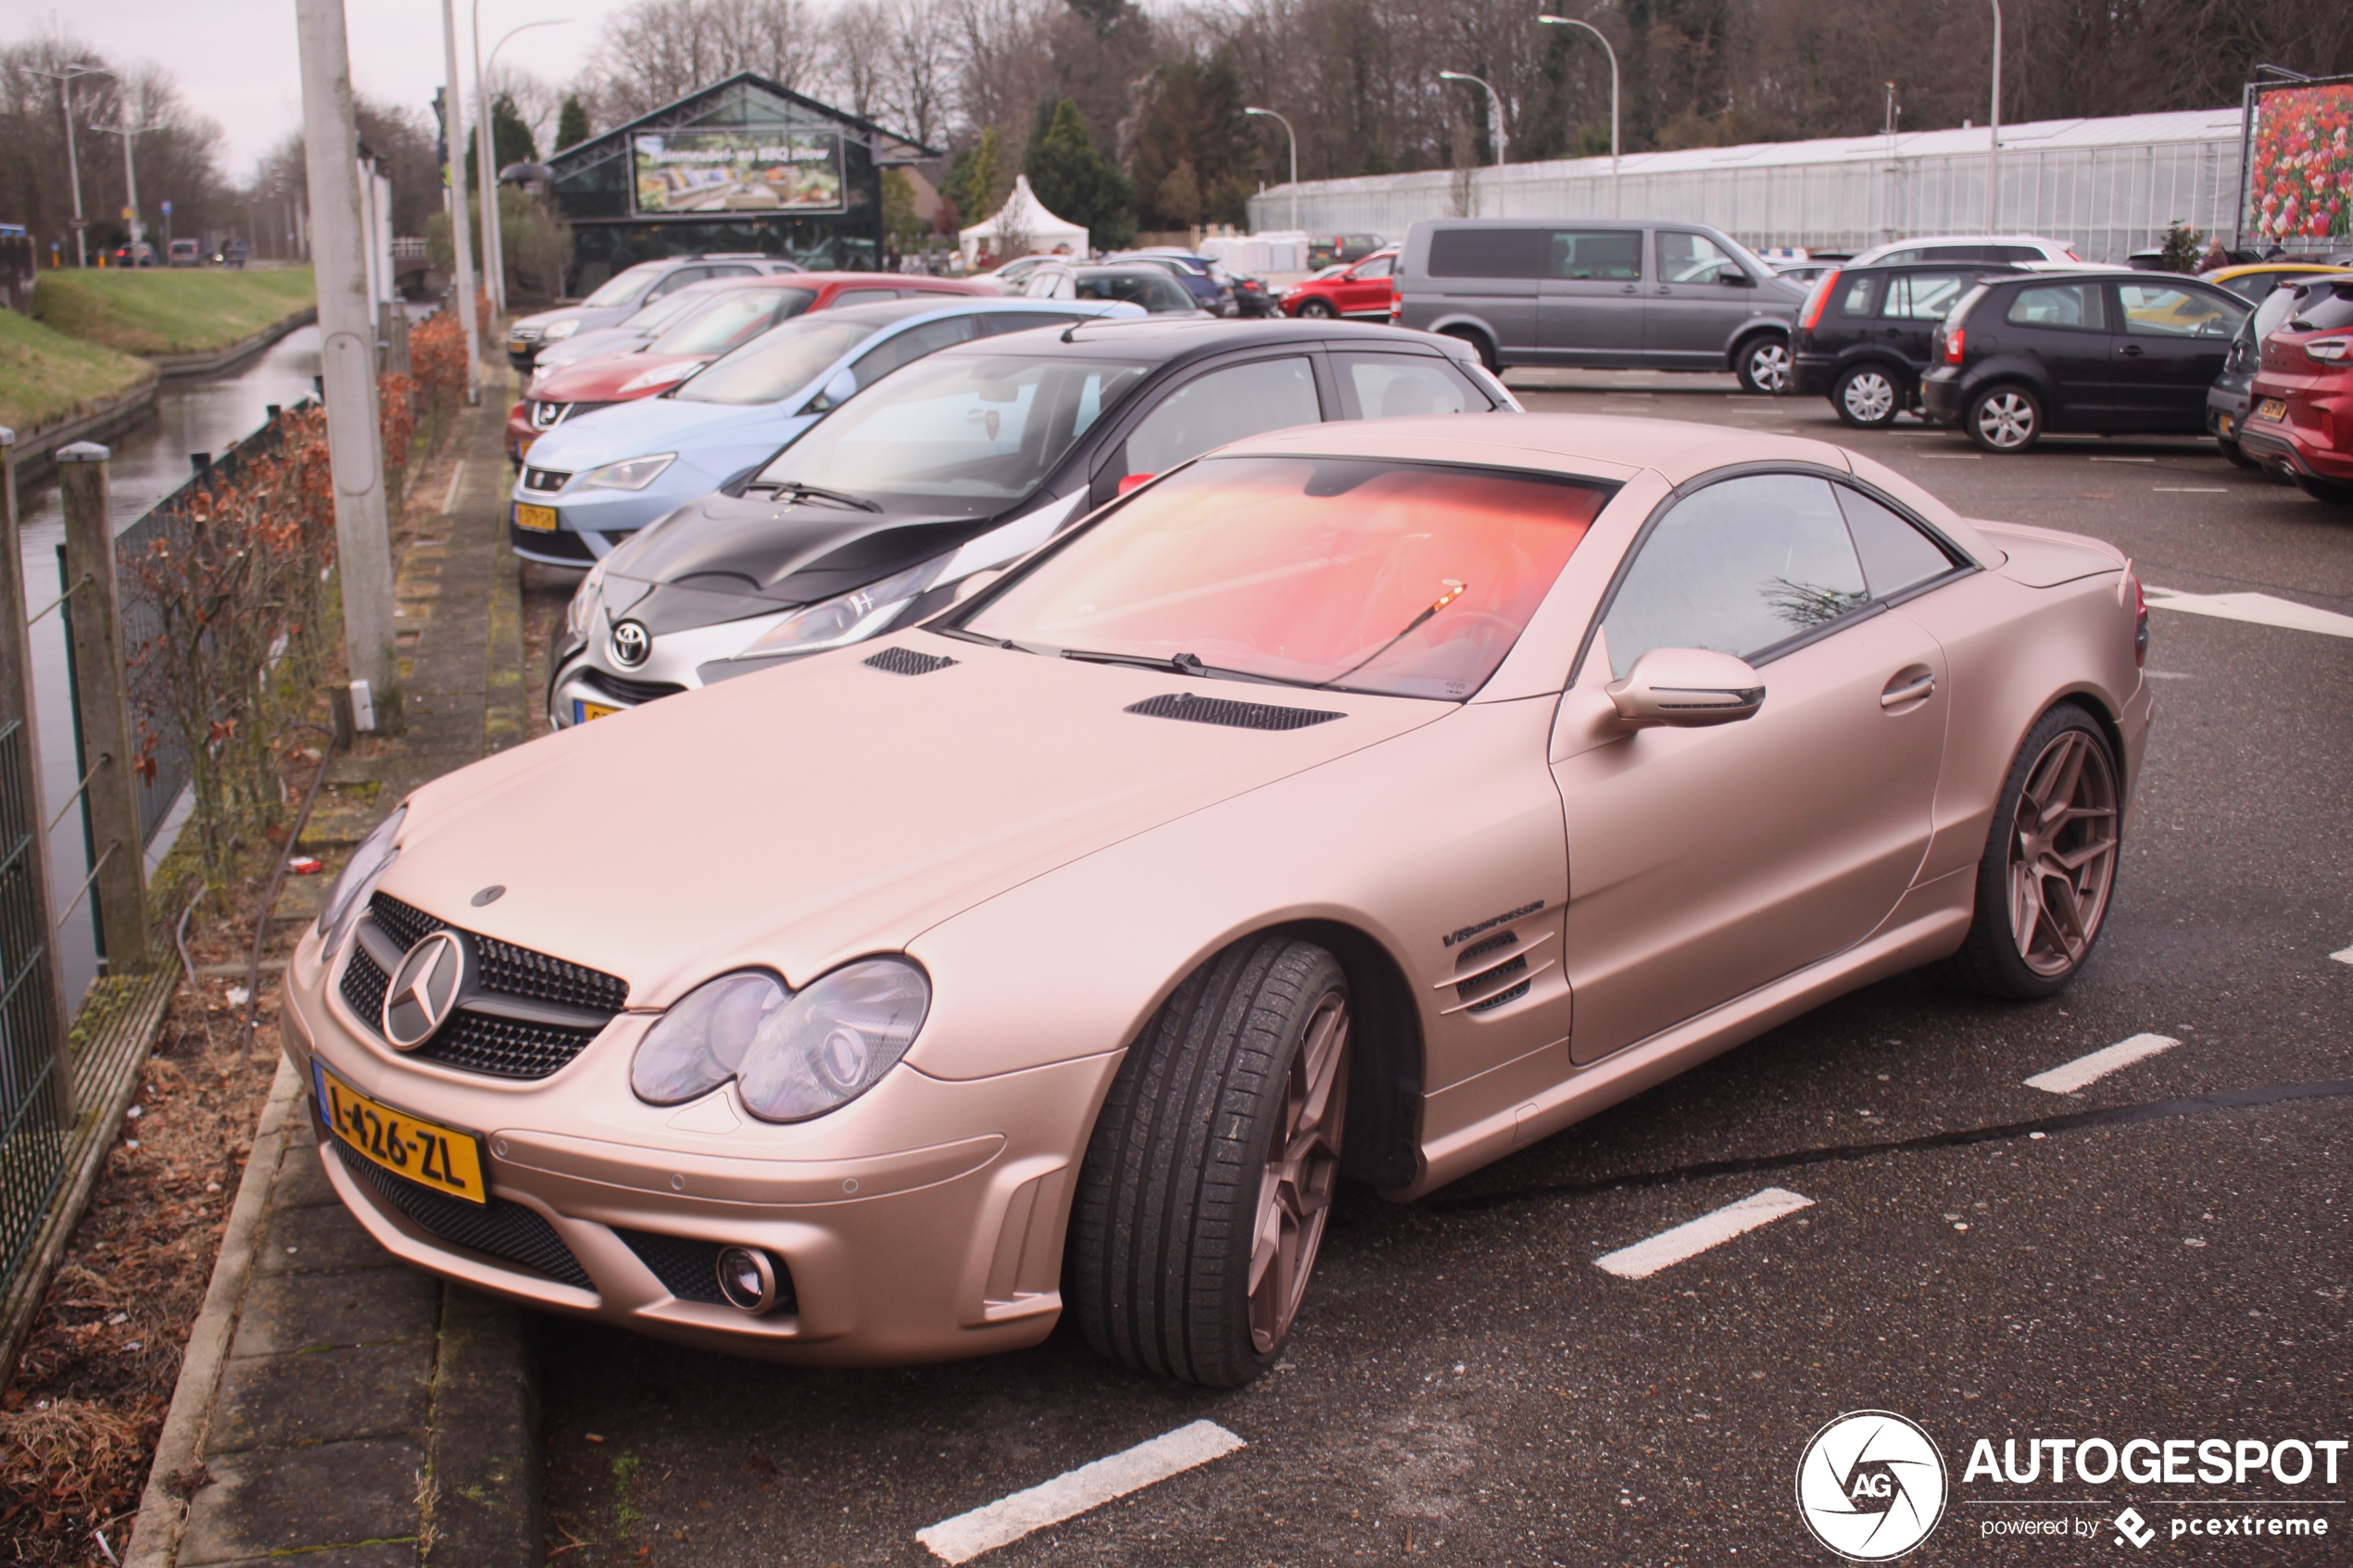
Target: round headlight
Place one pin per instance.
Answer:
(700, 1044)
(358, 877)
(835, 1040)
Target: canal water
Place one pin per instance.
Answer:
(147, 463)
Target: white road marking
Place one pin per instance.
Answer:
(1072, 1493)
(2344, 956)
(450, 499)
(1695, 1236)
(2190, 489)
(2090, 1069)
(2123, 460)
(1952, 457)
(2261, 610)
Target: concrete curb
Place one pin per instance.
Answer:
(482, 1451)
(155, 1539)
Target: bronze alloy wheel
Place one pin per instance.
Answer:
(2062, 854)
(1302, 1167)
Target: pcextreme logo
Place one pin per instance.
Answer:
(1870, 1485)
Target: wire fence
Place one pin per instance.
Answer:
(32, 1121)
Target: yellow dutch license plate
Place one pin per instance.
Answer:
(581, 710)
(517, 346)
(2272, 408)
(427, 1153)
(539, 519)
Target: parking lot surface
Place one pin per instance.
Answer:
(2154, 1243)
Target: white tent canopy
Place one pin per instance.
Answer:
(1022, 226)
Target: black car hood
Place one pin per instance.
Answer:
(721, 559)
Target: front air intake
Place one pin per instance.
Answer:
(905, 661)
(1233, 715)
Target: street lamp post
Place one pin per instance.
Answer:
(130, 176)
(494, 239)
(1285, 124)
(65, 80)
(1495, 105)
(1993, 135)
(461, 242)
(1616, 206)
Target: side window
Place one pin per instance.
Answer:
(996, 323)
(863, 296)
(1738, 567)
(1903, 257)
(676, 281)
(1389, 386)
(1611, 255)
(1692, 258)
(1223, 406)
(1895, 554)
(1378, 267)
(909, 346)
(734, 271)
(2166, 311)
(1855, 298)
(2016, 252)
(1960, 253)
(1924, 296)
(2076, 305)
(1487, 253)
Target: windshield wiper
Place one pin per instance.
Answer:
(818, 493)
(1182, 664)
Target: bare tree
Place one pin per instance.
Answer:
(659, 51)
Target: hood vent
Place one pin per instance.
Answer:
(905, 661)
(1233, 715)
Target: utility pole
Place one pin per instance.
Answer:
(1617, 186)
(494, 237)
(347, 358)
(1270, 114)
(65, 80)
(1994, 136)
(130, 175)
(461, 241)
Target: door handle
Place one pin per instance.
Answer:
(1630, 288)
(1665, 288)
(2131, 351)
(1906, 687)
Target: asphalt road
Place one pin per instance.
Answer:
(1466, 1386)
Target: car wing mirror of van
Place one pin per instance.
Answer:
(1686, 689)
(1737, 280)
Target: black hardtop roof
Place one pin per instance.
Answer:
(1168, 340)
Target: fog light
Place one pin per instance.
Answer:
(748, 1279)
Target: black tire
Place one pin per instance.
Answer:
(1317, 311)
(1479, 346)
(2326, 490)
(1167, 1212)
(1869, 396)
(1994, 960)
(2237, 455)
(1764, 366)
(2004, 419)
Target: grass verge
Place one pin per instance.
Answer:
(160, 311)
(46, 376)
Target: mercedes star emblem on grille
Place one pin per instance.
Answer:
(632, 645)
(425, 989)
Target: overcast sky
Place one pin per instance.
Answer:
(235, 60)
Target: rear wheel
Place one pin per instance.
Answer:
(1210, 1175)
(1867, 397)
(2049, 866)
(1479, 346)
(1764, 365)
(2004, 419)
(1317, 310)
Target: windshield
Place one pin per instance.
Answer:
(969, 435)
(624, 288)
(666, 310)
(2323, 307)
(778, 363)
(1358, 573)
(733, 319)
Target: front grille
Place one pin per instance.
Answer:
(1234, 715)
(560, 547)
(404, 924)
(363, 987)
(626, 689)
(500, 1228)
(580, 408)
(504, 1047)
(505, 968)
(689, 1268)
(905, 661)
(544, 482)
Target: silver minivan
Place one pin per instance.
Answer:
(1600, 293)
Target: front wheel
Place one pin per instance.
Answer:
(2005, 420)
(1317, 310)
(1764, 366)
(1867, 397)
(1207, 1181)
(2049, 867)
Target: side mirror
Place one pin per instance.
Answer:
(1736, 279)
(1136, 482)
(837, 391)
(1686, 689)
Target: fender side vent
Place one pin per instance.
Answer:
(1233, 715)
(1499, 998)
(905, 661)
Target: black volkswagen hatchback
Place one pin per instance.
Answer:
(1862, 336)
(2107, 353)
(890, 508)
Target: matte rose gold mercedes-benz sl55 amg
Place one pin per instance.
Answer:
(1363, 799)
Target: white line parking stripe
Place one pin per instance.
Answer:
(1695, 1236)
(2090, 1069)
(2344, 956)
(2260, 609)
(2189, 489)
(1072, 1493)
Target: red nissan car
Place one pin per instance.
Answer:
(2299, 416)
(1363, 291)
(738, 315)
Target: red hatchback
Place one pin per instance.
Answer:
(1364, 290)
(741, 313)
(2299, 416)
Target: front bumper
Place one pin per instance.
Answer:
(923, 1221)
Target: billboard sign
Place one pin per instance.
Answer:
(2300, 166)
(742, 169)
